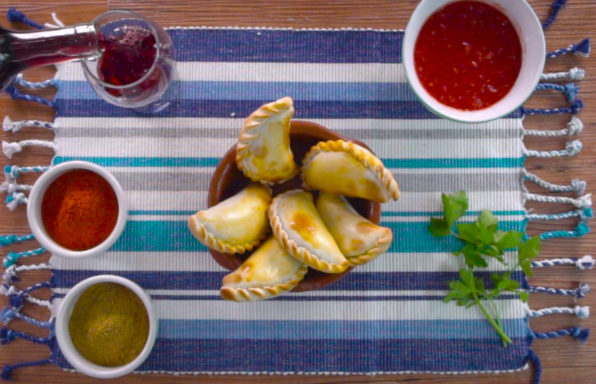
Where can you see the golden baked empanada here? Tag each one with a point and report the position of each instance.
(359, 239)
(268, 272)
(235, 225)
(348, 169)
(300, 230)
(263, 152)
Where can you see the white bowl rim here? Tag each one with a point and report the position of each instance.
(470, 114)
(63, 336)
(36, 197)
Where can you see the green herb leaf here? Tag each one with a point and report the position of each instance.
(482, 239)
(439, 227)
(455, 206)
(508, 240)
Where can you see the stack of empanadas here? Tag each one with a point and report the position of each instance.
(326, 234)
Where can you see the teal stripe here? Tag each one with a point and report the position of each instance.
(213, 161)
(337, 329)
(144, 161)
(165, 236)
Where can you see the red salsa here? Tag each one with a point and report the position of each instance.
(468, 55)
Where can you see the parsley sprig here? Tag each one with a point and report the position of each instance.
(482, 241)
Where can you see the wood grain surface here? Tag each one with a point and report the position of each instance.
(564, 360)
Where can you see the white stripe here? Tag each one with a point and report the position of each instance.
(408, 202)
(216, 147)
(334, 124)
(166, 200)
(325, 310)
(203, 262)
(269, 72)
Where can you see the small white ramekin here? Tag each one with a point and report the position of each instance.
(34, 209)
(65, 342)
(533, 45)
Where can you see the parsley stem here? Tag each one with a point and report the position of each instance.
(504, 337)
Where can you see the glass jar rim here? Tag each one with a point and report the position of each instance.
(152, 29)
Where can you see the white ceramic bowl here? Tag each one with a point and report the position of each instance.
(531, 35)
(63, 336)
(34, 209)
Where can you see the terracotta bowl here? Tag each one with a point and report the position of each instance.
(227, 180)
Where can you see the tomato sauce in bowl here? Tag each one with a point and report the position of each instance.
(468, 55)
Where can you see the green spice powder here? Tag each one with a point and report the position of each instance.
(109, 325)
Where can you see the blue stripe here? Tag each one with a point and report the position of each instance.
(316, 298)
(245, 90)
(336, 329)
(262, 45)
(305, 109)
(353, 281)
(161, 236)
(213, 161)
(324, 355)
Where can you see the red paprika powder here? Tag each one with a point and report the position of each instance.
(79, 210)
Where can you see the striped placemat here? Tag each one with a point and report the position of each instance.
(383, 317)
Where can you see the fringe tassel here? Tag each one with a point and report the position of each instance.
(579, 311)
(7, 370)
(20, 80)
(583, 214)
(14, 200)
(585, 262)
(571, 149)
(8, 314)
(554, 11)
(573, 74)
(574, 128)
(581, 202)
(8, 335)
(14, 126)
(581, 48)
(580, 230)
(10, 148)
(57, 21)
(15, 16)
(17, 95)
(577, 293)
(12, 188)
(573, 109)
(10, 239)
(577, 186)
(580, 334)
(13, 257)
(10, 274)
(533, 357)
(12, 172)
(570, 89)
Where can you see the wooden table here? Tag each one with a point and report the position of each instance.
(564, 360)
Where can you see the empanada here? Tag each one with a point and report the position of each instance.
(359, 239)
(263, 152)
(348, 169)
(300, 230)
(268, 272)
(235, 225)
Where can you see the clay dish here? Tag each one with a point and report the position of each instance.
(227, 180)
